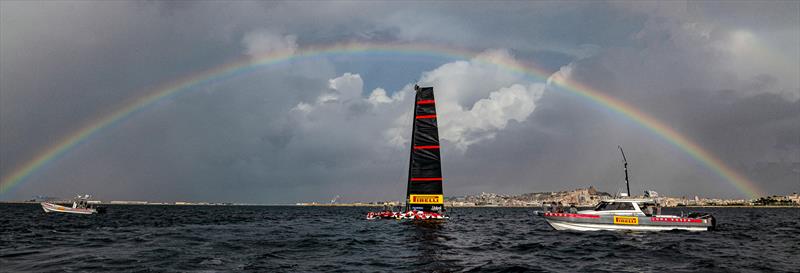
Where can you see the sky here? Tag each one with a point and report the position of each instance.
(721, 74)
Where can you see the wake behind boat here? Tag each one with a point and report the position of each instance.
(80, 205)
(424, 195)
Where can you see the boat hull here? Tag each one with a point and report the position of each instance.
(409, 215)
(588, 222)
(49, 207)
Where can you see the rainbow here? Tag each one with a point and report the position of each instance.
(244, 65)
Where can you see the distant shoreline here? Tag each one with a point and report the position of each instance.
(738, 206)
(152, 204)
(363, 205)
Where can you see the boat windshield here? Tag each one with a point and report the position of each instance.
(646, 204)
(614, 206)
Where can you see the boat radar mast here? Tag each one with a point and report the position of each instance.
(625, 166)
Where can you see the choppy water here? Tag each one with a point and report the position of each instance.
(277, 239)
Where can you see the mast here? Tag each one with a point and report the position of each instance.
(424, 191)
(411, 149)
(625, 164)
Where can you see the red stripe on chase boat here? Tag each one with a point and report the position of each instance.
(572, 215)
(675, 220)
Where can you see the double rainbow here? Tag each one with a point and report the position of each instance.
(19, 174)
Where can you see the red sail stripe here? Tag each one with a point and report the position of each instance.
(426, 102)
(427, 147)
(426, 179)
(426, 116)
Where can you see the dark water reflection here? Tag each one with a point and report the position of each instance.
(303, 239)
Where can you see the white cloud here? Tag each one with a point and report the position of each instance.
(474, 99)
(378, 96)
(489, 115)
(262, 42)
(348, 86)
(345, 88)
(561, 75)
(302, 107)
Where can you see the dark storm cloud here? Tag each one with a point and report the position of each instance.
(680, 77)
(64, 63)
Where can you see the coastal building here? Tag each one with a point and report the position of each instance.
(584, 197)
(795, 198)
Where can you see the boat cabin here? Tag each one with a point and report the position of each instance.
(81, 202)
(632, 207)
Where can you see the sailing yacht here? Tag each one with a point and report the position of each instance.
(424, 195)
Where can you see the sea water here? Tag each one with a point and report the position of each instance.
(339, 239)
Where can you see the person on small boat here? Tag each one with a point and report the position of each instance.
(572, 208)
(387, 210)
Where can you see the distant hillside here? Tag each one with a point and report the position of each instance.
(581, 197)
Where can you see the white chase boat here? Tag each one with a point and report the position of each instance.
(628, 214)
(80, 205)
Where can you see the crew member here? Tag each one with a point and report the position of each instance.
(572, 208)
(648, 210)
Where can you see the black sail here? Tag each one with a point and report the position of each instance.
(425, 168)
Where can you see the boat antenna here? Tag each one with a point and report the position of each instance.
(625, 165)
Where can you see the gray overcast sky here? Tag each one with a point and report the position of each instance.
(723, 74)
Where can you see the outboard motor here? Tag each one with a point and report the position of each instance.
(705, 215)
